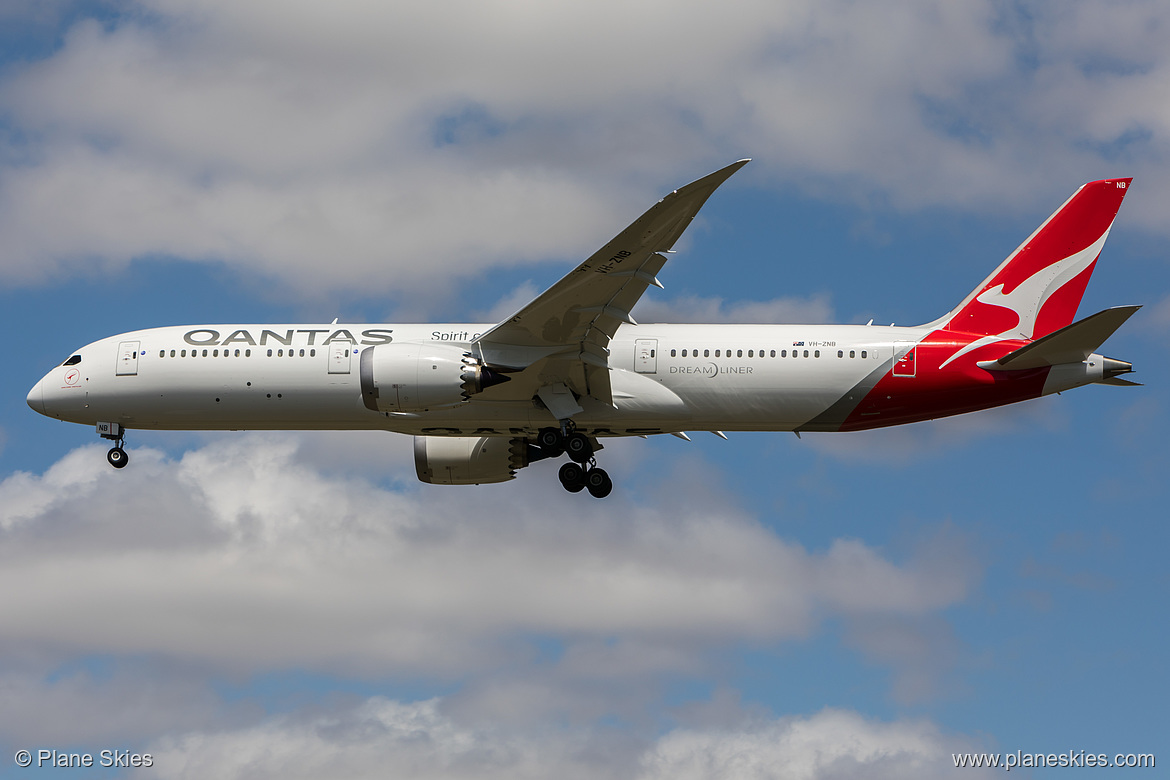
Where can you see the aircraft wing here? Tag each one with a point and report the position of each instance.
(567, 328)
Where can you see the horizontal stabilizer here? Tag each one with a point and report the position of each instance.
(1116, 380)
(1071, 344)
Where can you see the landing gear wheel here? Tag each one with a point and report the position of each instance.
(572, 477)
(117, 457)
(599, 483)
(551, 441)
(579, 447)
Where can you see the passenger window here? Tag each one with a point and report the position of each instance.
(237, 353)
(302, 353)
(172, 353)
(716, 353)
(247, 353)
(783, 353)
(840, 353)
(706, 353)
(162, 353)
(269, 353)
(806, 353)
(215, 353)
(852, 353)
(204, 353)
(773, 353)
(863, 353)
(750, 354)
(684, 353)
(739, 353)
(672, 353)
(280, 353)
(817, 353)
(313, 353)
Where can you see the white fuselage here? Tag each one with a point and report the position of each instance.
(664, 377)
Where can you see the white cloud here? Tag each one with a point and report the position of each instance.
(400, 151)
(134, 701)
(379, 738)
(383, 738)
(509, 304)
(245, 554)
(834, 744)
(696, 308)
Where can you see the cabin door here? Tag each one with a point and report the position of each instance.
(646, 356)
(127, 358)
(339, 352)
(904, 358)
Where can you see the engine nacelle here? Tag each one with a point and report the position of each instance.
(468, 460)
(418, 377)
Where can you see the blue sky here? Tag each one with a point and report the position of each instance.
(297, 605)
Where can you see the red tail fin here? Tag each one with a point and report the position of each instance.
(1038, 288)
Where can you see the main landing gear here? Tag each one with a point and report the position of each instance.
(116, 433)
(581, 472)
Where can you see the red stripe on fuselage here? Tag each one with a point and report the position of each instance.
(936, 390)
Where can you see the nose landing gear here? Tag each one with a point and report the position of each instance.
(581, 472)
(117, 456)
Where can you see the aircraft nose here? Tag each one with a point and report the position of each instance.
(36, 397)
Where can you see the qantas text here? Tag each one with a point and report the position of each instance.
(204, 337)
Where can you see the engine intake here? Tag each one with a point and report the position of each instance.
(418, 377)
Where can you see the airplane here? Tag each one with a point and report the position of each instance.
(572, 367)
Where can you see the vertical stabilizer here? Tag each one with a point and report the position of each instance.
(1037, 289)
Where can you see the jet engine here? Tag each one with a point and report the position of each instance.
(418, 377)
(468, 460)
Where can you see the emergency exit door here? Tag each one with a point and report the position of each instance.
(127, 358)
(646, 356)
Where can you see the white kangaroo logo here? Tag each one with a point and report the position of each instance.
(1031, 294)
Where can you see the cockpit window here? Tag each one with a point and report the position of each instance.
(72, 361)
